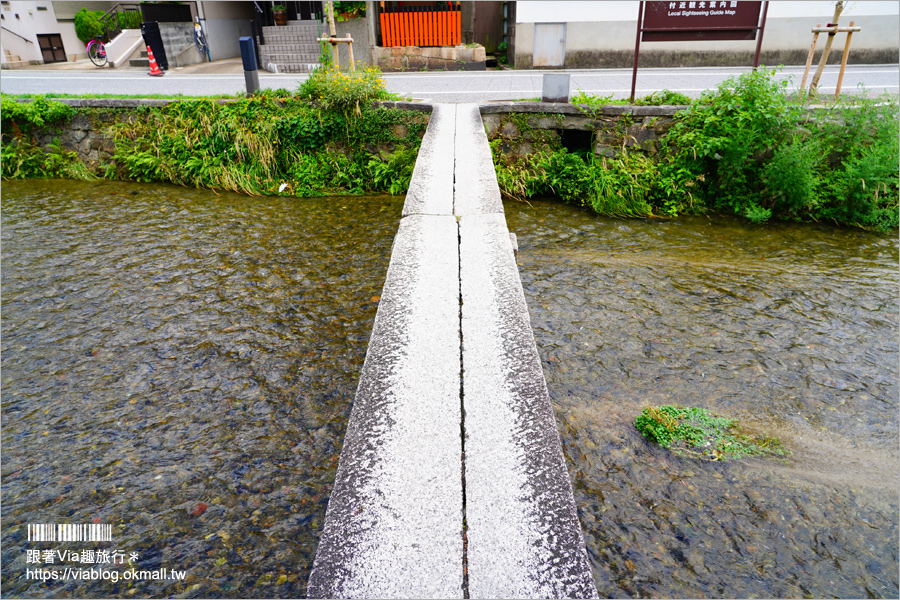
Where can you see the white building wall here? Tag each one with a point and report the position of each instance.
(566, 11)
(611, 27)
(26, 20)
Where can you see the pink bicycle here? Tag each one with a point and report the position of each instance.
(97, 52)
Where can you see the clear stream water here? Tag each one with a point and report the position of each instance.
(793, 329)
(181, 364)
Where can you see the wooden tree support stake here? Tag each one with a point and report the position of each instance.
(831, 31)
(812, 51)
(843, 60)
(334, 41)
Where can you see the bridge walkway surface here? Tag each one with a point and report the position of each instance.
(452, 481)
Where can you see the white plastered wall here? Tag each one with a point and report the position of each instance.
(611, 26)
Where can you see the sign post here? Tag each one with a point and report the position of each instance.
(699, 21)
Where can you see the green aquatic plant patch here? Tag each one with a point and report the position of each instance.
(691, 431)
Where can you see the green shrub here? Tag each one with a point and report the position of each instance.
(392, 172)
(37, 113)
(608, 186)
(23, 159)
(304, 131)
(789, 179)
(130, 19)
(355, 9)
(590, 104)
(663, 98)
(729, 134)
(88, 26)
(746, 148)
(862, 187)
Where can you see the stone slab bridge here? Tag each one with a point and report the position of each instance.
(452, 481)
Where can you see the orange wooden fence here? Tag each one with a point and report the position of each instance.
(417, 26)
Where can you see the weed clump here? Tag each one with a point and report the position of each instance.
(344, 91)
(690, 431)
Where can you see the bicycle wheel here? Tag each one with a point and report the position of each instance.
(97, 53)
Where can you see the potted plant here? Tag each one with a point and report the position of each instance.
(280, 11)
(349, 10)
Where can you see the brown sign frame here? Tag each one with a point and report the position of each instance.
(682, 21)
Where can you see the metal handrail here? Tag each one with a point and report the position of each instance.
(14, 33)
(113, 20)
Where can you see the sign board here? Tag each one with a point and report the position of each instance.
(692, 21)
(689, 21)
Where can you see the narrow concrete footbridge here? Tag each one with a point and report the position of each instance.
(452, 481)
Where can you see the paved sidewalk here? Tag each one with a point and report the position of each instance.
(227, 66)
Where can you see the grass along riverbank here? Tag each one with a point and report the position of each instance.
(326, 138)
(746, 148)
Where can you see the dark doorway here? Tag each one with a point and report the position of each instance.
(51, 45)
(489, 25)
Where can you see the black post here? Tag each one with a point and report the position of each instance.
(248, 56)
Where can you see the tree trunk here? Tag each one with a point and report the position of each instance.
(814, 84)
(333, 31)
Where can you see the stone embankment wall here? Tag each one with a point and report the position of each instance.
(87, 133)
(521, 127)
(525, 127)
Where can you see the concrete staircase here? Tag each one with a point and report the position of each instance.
(291, 48)
(12, 61)
(142, 60)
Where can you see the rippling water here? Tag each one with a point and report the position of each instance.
(793, 329)
(181, 364)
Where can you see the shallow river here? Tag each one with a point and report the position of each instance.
(790, 328)
(166, 349)
(180, 364)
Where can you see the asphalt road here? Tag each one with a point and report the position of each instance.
(226, 77)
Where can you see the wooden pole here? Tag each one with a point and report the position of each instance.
(332, 30)
(350, 51)
(837, 92)
(814, 84)
(812, 51)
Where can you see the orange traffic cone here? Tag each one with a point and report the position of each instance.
(154, 68)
